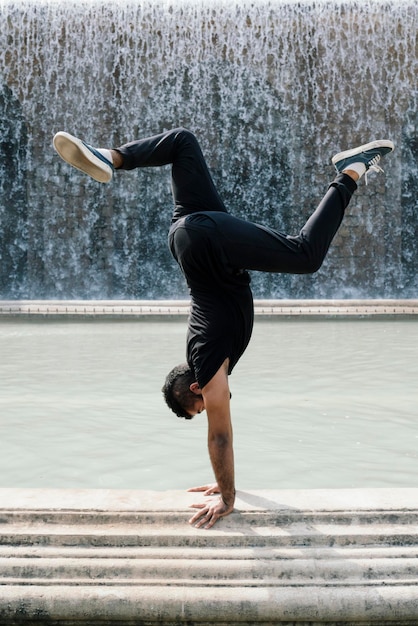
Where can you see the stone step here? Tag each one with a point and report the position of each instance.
(135, 605)
(286, 558)
(185, 571)
(237, 530)
(213, 553)
(239, 519)
(157, 534)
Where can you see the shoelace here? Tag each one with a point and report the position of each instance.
(373, 165)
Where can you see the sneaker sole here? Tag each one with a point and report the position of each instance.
(75, 152)
(373, 145)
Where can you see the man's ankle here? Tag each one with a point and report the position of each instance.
(117, 159)
(352, 174)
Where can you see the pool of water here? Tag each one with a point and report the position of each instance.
(316, 404)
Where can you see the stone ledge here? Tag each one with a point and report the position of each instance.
(283, 557)
(179, 308)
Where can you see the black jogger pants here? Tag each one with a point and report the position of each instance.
(250, 246)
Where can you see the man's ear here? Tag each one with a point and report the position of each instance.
(194, 388)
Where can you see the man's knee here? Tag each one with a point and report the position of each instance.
(186, 135)
(313, 265)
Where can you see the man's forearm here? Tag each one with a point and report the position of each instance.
(216, 397)
(222, 458)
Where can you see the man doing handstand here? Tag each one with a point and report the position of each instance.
(215, 250)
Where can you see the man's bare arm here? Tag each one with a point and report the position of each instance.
(217, 404)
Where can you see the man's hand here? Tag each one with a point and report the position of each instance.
(208, 489)
(209, 512)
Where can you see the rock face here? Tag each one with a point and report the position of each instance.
(283, 557)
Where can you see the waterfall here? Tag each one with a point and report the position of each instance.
(272, 89)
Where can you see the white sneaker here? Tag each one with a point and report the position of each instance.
(370, 154)
(83, 157)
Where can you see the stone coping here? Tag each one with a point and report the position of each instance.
(290, 557)
(253, 500)
(178, 308)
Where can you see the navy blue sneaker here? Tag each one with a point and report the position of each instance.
(369, 154)
(83, 157)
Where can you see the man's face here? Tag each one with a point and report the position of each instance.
(198, 406)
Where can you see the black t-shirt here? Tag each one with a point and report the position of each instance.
(222, 313)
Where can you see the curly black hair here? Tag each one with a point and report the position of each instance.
(176, 390)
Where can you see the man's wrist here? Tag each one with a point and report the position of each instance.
(229, 500)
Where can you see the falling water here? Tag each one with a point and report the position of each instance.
(271, 88)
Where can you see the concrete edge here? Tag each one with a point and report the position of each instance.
(301, 500)
(179, 308)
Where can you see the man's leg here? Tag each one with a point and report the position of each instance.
(192, 184)
(193, 187)
(256, 247)
(317, 234)
(251, 246)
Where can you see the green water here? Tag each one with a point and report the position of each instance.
(316, 404)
